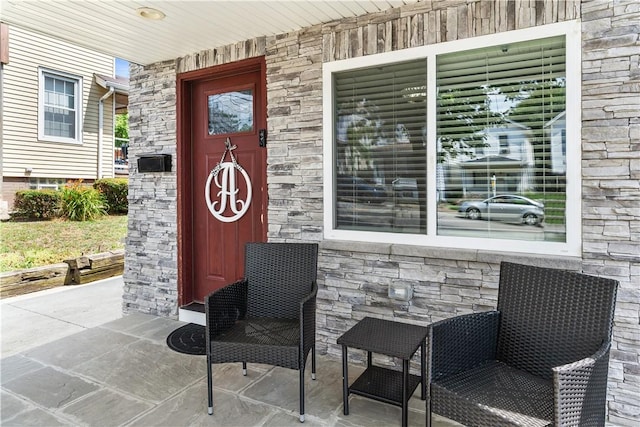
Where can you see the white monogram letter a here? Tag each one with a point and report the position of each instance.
(226, 182)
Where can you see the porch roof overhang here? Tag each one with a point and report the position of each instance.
(120, 86)
(117, 29)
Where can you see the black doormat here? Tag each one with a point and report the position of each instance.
(188, 339)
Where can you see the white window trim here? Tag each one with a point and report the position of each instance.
(42, 72)
(573, 244)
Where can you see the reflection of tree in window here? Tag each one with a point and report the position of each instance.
(380, 148)
(463, 116)
(483, 89)
(230, 112)
(361, 131)
(501, 110)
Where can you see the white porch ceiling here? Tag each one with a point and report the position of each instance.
(113, 26)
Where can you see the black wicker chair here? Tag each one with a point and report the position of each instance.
(269, 316)
(541, 359)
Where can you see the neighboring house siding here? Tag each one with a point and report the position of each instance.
(21, 148)
(354, 276)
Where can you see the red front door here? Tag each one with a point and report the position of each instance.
(226, 109)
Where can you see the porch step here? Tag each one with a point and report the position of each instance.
(192, 313)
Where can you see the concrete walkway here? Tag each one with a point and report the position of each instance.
(69, 357)
(37, 318)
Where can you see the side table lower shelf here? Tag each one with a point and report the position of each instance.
(383, 384)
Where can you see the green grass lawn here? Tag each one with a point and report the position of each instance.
(35, 243)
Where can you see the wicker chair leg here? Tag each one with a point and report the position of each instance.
(244, 368)
(209, 385)
(302, 394)
(313, 362)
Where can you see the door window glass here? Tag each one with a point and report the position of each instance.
(230, 112)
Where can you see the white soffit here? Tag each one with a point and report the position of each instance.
(113, 26)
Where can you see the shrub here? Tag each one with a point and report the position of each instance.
(37, 204)
(115, 191)
(81, 202)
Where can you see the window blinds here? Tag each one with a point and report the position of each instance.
(494, 110)
(500, 123)
(380, 116)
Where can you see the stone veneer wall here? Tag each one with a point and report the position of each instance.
(611, 182)
(354, 276)
(151, 250)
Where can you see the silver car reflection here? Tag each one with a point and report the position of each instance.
(505, 207)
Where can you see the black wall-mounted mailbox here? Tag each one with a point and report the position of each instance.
(155, 163)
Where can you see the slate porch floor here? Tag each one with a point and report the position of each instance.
(70, 358)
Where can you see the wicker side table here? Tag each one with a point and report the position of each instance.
(393, 339)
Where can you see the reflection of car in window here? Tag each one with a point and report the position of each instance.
(504, 208)
(351, 188)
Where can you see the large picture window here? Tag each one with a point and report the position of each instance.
(460, 146)
(60, 105)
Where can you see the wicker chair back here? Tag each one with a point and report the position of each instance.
(279, 275)
(551, 317)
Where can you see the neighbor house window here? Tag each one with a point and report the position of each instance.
(451, 145)
(60, 107)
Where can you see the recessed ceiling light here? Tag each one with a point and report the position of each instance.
(150, 13)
